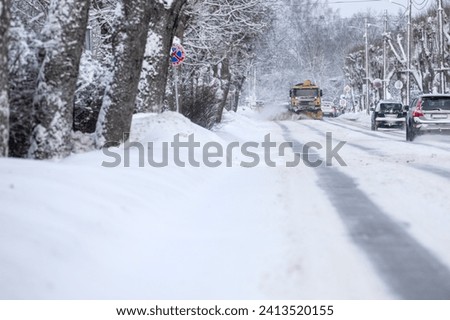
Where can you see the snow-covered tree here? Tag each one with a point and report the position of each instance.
(4, 84)
(308, 40)
(425, 58)
(96, 64)
(27, 19)
(129, 43)
(103, 21)
(162, 28)
(31, 13)
(219, 39)
(62, 43)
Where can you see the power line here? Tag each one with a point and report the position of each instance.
(419, 4)
(422, 5)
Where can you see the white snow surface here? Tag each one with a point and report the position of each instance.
(74, 229)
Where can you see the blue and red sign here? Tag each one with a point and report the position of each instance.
(177, 55)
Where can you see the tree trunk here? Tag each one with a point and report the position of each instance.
(239, 84)
(23, 74)
(163, 26)
(115, 117)
(225, 79)
(63, 40)
(4, 102)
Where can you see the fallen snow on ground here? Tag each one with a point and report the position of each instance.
(361, 117)
(77, 230)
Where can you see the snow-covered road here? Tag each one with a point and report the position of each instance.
(377, 228)
(404, 264)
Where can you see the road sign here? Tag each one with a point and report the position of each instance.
(347, 89)
(377, 83)
(343, 103)
(177, 54)
(398, 84)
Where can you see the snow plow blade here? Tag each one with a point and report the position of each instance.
(316, 115)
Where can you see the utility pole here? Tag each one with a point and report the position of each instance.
(441, 47)
(385, 54)
(408, 55)
(254, 83)
(367, 65)
(88, 39)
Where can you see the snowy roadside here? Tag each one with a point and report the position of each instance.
(76, 230)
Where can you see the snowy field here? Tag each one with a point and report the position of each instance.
(377, 228)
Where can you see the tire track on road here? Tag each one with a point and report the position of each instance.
(349, 126)
(443, 173)
(409, 269)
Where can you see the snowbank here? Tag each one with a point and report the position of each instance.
(75, 229)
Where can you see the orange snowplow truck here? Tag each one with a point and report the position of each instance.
(306, 100)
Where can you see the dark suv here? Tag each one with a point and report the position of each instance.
(429, 113)
(388, 114)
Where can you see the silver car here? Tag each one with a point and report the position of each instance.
(429, 113)
(388, 114)
(329, 109)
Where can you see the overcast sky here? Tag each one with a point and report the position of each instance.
(349, 7)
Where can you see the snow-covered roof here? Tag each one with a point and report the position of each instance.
(389, 101)
(435, 95)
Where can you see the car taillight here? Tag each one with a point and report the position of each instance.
(418, 111)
